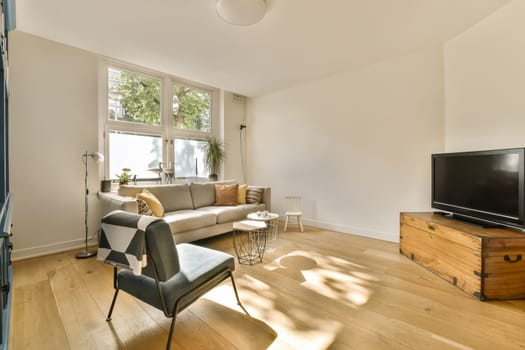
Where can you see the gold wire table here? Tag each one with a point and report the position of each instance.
(249, 241)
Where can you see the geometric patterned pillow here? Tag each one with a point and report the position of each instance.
(254, 195)
(144, 208)
(153, 202)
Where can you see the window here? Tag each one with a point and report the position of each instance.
(133, 97)
(152, 119)
(191, 109)
(189, 158)
(136, 152)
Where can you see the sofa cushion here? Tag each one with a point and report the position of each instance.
(174, 197)
(203, 195)
(241, 194)
(130, 190)
(153, 203)
(187, 220)
(226, 194)
(232, 213)
(254, 195)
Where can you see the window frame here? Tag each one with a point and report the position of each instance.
(166, 130)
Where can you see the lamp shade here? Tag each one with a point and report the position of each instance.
(241, 12)
(97, 157)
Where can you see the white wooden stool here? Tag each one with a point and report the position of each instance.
(293, 209)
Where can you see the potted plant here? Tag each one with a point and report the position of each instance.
(124, 178)
(213, 156)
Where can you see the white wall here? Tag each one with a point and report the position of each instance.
(53, 119)
(54, 116)
(485, 83)
(234, 114)
(356, 145)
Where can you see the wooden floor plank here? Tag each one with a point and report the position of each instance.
(86, 328)
(185, 335)
(42, 326)
(250, 333)
(315, 290)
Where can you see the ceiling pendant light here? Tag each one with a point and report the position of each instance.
(241, 12)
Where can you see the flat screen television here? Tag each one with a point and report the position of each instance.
(486, 187)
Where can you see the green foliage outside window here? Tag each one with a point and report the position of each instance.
(139, 98)
(191, 108)
(136, 98)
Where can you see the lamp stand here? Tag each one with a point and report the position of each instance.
(85, 253)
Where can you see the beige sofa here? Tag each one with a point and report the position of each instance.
(189, 208)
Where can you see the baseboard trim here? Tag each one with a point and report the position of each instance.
(353, 230)
(26, 253)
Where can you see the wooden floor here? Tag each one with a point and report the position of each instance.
(316, 290)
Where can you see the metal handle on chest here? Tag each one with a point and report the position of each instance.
(509, 260)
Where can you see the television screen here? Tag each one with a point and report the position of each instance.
(484, 184)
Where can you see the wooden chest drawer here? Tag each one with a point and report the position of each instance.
(486, 263)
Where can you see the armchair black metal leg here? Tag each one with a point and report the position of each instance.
(171, 331)
(112, 305)
(235, 289)
(237, 295)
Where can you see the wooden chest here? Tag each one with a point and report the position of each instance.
(487, 263)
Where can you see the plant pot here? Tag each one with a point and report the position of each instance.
(105, 186)
(213, 177)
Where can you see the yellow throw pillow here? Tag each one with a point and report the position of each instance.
(153, 203)
(241, 194)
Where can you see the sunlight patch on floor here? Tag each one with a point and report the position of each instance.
(273, 265)
(451, 342)
(330, 276)
(321, 337)
(294, 327)
(336, 285)
(225, 295)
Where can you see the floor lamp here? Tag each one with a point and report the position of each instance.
(99, 158)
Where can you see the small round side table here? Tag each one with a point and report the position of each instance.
(249, 241)
(271, 220)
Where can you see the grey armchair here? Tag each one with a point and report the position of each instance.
(175, 275)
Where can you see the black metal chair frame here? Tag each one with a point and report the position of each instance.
(188, 297)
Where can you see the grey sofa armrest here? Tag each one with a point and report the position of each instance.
(267, 196)
(113, 201)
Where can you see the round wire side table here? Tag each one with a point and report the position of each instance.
(249, 241)
(271, 220)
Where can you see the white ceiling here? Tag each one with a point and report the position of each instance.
(297, 41)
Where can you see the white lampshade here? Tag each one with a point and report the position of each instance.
(97, 157)
(241, 12)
